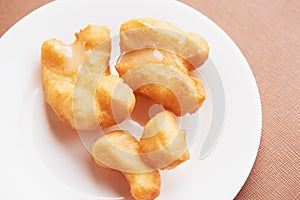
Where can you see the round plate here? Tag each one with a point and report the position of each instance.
(42, 158)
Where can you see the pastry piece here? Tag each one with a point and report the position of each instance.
(115, 101)
(143, 33)
(119, 150)
(163, 144)
(166, 85)
(138, 58)
(74, 77)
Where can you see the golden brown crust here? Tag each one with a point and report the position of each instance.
(112, 95)
(119, 150)
(161, 95)
(148, 41)
(153, 33)
(163, 144)
(144, 186)
(138, 58)
(166, 85)
(60, 74)
(92, 36)
(131, 24)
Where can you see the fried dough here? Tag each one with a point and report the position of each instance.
(163, 144)
(138, 58)
(168, 86)
(119, 150)
(74, 76)
(143, 33)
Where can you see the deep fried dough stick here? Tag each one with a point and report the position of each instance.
(82, 97)
(163, 144)
(119, 150)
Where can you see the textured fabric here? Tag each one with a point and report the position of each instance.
(12, 11)
(268, 33)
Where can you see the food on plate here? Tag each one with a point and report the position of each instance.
(141, 57)
(165, 85)
(163, 145)
(119, 150)
(77, 82)
(153, 33)
(156, 60)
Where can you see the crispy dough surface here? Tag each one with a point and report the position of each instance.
(147, 43)
(153, 33)
(142, 57)
(61, 68)
(163, 143)
(166, 85)
(120, 150)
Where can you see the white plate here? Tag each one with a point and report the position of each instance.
(42, 158)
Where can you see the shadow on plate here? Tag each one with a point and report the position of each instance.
(98, 176)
